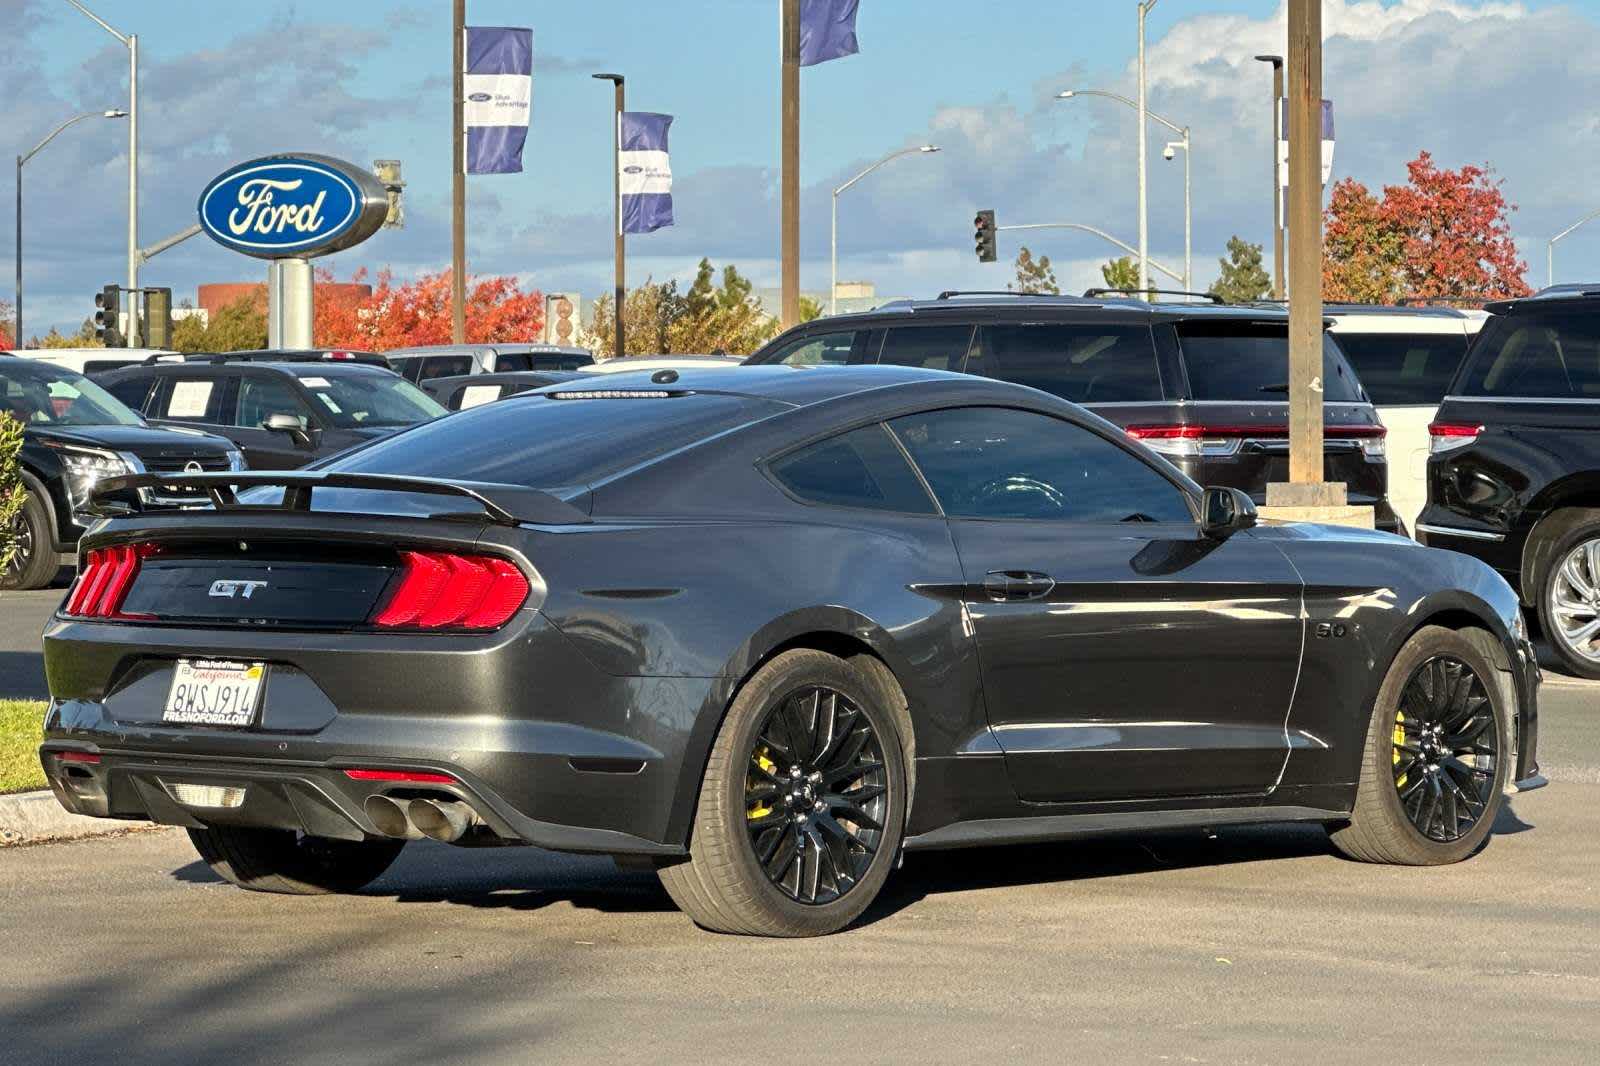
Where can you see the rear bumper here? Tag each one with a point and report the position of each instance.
(546, 748)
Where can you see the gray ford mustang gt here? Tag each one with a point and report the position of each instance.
(762, 629)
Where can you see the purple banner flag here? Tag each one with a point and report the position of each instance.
(498, 88)
(645, 171)
(827, 30)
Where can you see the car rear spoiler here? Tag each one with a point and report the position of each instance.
(503, 504)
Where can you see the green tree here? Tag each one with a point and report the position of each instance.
(1242, 279)
(240, 326)
(12, 493)
(1034, 275)
(810, 309)
(84, 338)
(1121, 274)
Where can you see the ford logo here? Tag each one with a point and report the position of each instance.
(292, 206)
(633, 168)
(480, 98)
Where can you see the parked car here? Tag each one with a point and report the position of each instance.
(449, 360)
(291, 355)
(763, 630)
(461, 391)
(281, 415)
(94, 361)
(662, 362)
(1514, 478)
(1406, 358)
(1204, 385)
(74, 435)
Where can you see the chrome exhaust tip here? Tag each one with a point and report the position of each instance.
(390, 818)
(442, 820)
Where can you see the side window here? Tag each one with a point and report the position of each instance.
(820, 349)
(186, 398)
(132, 391)
(444, 366)
(930, 347)
(262, 396)
(993, 462)
(468, 396)
(1081, 363)
(1537, 355)
(862, 468)
(408, 368)
(512, 361)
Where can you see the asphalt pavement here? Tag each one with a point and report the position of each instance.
(1258, 945)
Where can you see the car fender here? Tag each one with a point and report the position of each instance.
(59, 530)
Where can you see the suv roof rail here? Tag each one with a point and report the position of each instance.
(1100, 293)
(949, 293)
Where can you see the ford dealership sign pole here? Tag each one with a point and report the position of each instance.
(289, 209)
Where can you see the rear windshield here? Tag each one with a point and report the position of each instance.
(1245, 362)
(1405, 369)
(1081, 363)
(552, 444)
(1543, 354)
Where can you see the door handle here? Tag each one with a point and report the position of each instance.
(1012, 585)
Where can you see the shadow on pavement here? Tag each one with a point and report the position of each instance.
(22, 675)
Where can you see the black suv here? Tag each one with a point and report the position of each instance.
(1203, 384)
(74, 434)
(281, 415)
(1514, 470)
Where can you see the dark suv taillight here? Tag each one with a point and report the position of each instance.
(1448, 436)
(444, 590)
(108, 574)
(1201, 441)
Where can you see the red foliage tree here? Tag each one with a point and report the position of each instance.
(1443, 233)
(418, 312)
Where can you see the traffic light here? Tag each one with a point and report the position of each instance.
(108, 316)
(157, 318)
(983, 236)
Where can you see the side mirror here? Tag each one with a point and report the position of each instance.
(294, 425)
(1226, 511)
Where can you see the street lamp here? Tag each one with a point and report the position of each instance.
(1277, 192)
(619, 347)
(1550, 251)
(21, 159)
(833, 282)
(1172, 147)
(131, 42)
(1145, 7)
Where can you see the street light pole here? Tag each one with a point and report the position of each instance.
(458, 176)
(1102, 234)
(131, 42)
(1184, 145)
(833, 283)
(1277, 192)
(21, 159)
(1145, 7)
(1550, 251)
(619, 345)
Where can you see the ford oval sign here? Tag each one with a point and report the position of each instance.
(292, 206)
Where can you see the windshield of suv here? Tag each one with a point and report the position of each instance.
(39, 394)
(1249, 361)
(351, 401)
(1405, 369)
(1541, 354)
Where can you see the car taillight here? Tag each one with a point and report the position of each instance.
(444, 590)
(1447, 436)
(1198, 441)
(108, 574)
(338, 356)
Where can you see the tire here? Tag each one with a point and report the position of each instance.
(1383, 826)
(854, 772)
(1569, 599)
(281, 860)
(34, 564)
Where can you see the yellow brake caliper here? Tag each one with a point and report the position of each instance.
(761, 810)
(1399, 739)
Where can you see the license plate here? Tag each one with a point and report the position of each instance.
(214, 692)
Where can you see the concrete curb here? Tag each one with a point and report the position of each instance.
(35, 817)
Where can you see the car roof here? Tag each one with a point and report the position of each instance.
(507, 347)
(1574, 297)
(296, 368)
(797, 386)
(1383, 318)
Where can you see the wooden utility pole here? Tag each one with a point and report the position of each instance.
(1305, 241)
(790, 178)
(458, 185)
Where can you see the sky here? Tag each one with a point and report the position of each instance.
(1508, 84)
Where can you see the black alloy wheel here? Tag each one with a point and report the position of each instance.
(1445, 749)
(816, 795)
(23, 547)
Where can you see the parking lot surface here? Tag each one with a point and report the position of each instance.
(1259, 945)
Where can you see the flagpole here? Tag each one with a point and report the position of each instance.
(790, 49)
(619, 347)
(458, 187)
